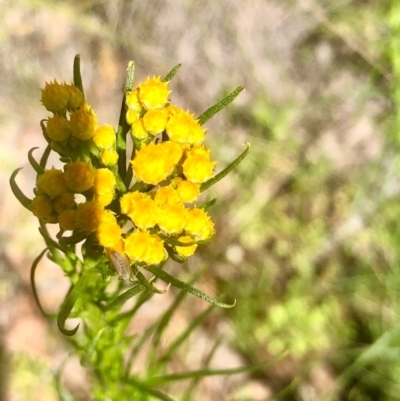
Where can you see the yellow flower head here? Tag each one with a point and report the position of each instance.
(186, 251)
(197, 166)
(63, 202)
(67, 219)
(172, 218)
(131, 116)
(199, 224)
(55, 97)
(154, 121)
(132, 101)
(188, 191)
(109, 233)
(167, 196)
(79, 176)
(109, 157)
(41, 206)
(105, 136)
(89, 216)
(58, 128)
(143, 211)
(183, 128)
(153, 93)
(129, 200)
(104, 181)
(51, 182)
(154, 163)
(75, 97)
(83, 122)
(104, 199)
(138, 130)
(141, 246)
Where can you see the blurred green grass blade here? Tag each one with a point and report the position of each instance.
(186, 287)
(33, 284)
(91, 348)
(36, 166)
(142, 279)
(210, 372)
(181, 339)
(65, 310)
(147, 389)
(24, 200)
(172, 73)
(77, 74)
(63, 393)
(204, 117)
(225, 171)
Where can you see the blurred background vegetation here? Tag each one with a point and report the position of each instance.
(308, 234)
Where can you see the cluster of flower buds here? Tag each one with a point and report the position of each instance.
(138, 211)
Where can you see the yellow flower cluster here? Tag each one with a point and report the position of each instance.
(169, 164)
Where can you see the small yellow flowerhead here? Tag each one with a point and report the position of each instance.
(55, 97)
(172, 218)
(154, 163)
(154, 121)
(132, 101)
(104, 136)
(63, 202)
(67, 219)
(141, 209)
(104, 181)
(109, 157)
(183, 128)
(41, 206)
(109, 233)
(197, 166)
(153, 93)
(188, 191)
(75, 97)
(199, 224)
(79, 176)
(58, 128)
(89, 216)
(141, 246)
(138, 131)
(51, 182)
(186, 251)
(83, 122)
(167, 195)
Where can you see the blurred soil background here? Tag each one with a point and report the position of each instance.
(308, 234)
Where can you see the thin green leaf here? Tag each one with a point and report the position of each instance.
(219, 106)
(209, 372)
(77, 74)
(91, 348)
(208, 204)
(36, 166)
(172, 73)
(130, 76)
(75, 238)
(225, 171)
(121, 299)
(65, 310)
(33, 284)
(24, 200)
(45, 157)
(62, 392)
(146, 389)
(175, 242)
(150, 286)
(181, 339)
(186, 287)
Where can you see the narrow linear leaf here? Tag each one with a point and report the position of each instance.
(77, 74)
(24, 200)
(130, 76)
(33, 283)
(62, 392)
(91, 348)
(36, 166)
(225, 171)
(147, 389)
(204, 117)
(121, 299)
(175, 242)
(65, 310)
(186, 287)
(45, 157)
(181, 339)
(210, 372)
(150, 286)
(172, 73)
(208, 204)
